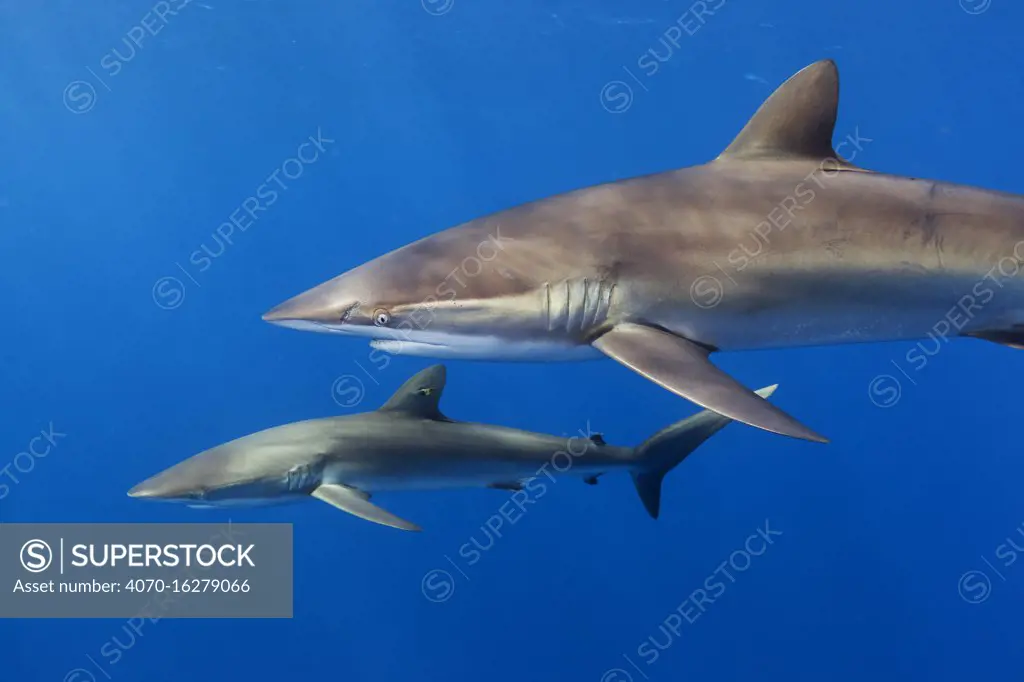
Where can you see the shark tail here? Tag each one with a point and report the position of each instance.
(663, 451)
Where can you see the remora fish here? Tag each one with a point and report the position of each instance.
(657, 273)
(409, 444)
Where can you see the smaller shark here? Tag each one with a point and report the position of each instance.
(409, 444)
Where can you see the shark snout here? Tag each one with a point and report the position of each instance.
(297, 308)
(277, 313)
(140, 491)
(163, 486)
(146, 490)
(312, 310)
(289, 310)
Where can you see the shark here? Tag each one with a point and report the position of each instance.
(409, 444)
(777, 242)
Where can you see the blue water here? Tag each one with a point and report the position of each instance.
(110, 182)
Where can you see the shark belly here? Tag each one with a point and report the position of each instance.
(873, 311)
(470, 347)
(449, 475)
(248, 502)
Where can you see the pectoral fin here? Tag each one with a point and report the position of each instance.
(684, 368)
(357, 502)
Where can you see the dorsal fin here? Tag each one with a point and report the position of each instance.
(796, 121)
(420, 395)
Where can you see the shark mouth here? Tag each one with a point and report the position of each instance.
(417, 348)
(306, 326)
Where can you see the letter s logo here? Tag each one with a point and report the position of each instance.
(36, 556)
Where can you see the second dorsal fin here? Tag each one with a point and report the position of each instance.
(796, 121)
(420, 396)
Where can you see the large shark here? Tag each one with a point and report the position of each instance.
(777, 242)
(409, 444)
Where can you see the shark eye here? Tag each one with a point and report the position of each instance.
(381, 317)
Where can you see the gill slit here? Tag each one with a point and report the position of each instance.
(580, 311)
(547, 305)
